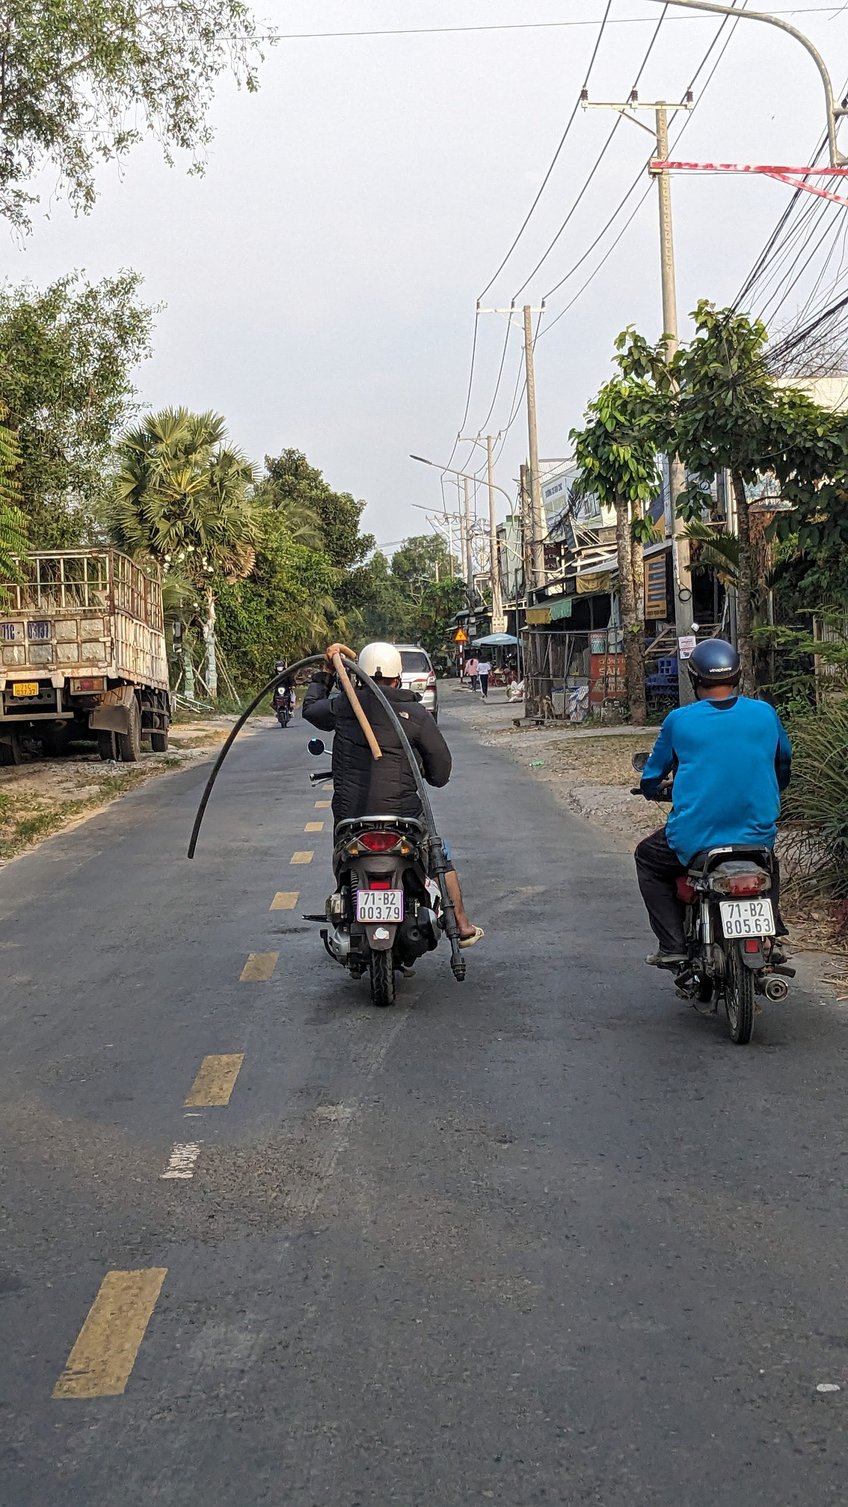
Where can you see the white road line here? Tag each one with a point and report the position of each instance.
(181, 1162)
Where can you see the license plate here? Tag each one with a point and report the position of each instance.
(747, 918)
(25, 688)
(379, 906)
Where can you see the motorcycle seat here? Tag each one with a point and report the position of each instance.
(710, 858)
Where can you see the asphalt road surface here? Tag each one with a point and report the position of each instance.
(544, 1237)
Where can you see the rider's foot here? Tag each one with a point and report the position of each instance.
(665, 959)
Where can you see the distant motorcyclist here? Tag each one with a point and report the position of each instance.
(284, 698)
(364, 786)
(730, 757)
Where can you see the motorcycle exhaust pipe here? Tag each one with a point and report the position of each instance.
(776, 988)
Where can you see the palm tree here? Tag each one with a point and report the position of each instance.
(182, 498)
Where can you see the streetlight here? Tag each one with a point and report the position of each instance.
(497, 600)
(834, 111)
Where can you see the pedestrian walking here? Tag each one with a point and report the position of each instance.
(472, 670)
(484, 669)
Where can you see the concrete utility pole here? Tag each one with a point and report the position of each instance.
(467, 561)
(681, 577)
(537, 515)
(680, 553)
(498, 618)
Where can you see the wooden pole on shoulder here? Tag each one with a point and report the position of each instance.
(358, 713)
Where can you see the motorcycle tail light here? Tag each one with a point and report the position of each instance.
(379, 842)
(739, 880)
(752, 944)
(380, 884)
(747, 884)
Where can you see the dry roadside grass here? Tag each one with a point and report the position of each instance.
(44, 796)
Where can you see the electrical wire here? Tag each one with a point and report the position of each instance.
(553, 162)
(598, 160)
(424, 31)
(633, 186)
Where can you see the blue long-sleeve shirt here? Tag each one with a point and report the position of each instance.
(731, 759)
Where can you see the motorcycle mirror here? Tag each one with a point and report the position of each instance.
(316, 747)
(639, 760)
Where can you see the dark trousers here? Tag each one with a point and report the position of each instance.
(484, 685)
(658, 869)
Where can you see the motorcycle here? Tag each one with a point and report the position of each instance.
(729, 927)
(284, 708)
(385, 911)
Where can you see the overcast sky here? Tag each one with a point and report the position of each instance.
(320, 280)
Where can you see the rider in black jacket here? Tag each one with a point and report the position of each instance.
(363, 785)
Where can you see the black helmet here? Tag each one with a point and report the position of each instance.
(714, 662)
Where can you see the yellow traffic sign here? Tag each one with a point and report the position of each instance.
(460, 637)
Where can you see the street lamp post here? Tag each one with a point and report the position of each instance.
(497, 599)
(834, 111)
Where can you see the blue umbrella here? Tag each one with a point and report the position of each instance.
(505, 640)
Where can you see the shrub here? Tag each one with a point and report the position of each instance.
(816, 804)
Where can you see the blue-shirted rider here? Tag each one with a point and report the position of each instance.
(730, 757)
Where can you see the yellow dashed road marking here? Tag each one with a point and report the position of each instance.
(314, 827)
(259, 967)
(285, 900)
(328, 786)
(322, 805)
(301, 857)
(103, 1356)
(215, 1080)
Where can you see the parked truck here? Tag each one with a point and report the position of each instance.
(82, 653)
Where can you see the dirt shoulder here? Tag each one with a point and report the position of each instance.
(44, 796)
(588, 771)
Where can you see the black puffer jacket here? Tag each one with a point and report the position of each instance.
(363, 785)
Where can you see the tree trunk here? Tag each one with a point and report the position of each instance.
(744, 587)
(209, 640)
(631, 621)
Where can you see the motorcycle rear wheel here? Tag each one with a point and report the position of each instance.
(382, 976)
(739, 998)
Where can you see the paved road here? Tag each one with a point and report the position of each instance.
(546, 1237)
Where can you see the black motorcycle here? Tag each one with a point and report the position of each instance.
(284, 706)
(385, 911)
(731, 944)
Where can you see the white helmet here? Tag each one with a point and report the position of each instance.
(381, 661)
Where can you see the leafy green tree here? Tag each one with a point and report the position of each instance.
(182, 499)
(375, 600)
(617, 456)
(13, 537)
(292, 484)
(82, 81)
(420, 561)
(284, 608)
(66, 358)
(726, 411)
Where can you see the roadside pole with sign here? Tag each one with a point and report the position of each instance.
(460, 638)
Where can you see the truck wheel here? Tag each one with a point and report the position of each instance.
(106, 746)
(159, 741)
(10, 753)
(56, 742)
(129, 743)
